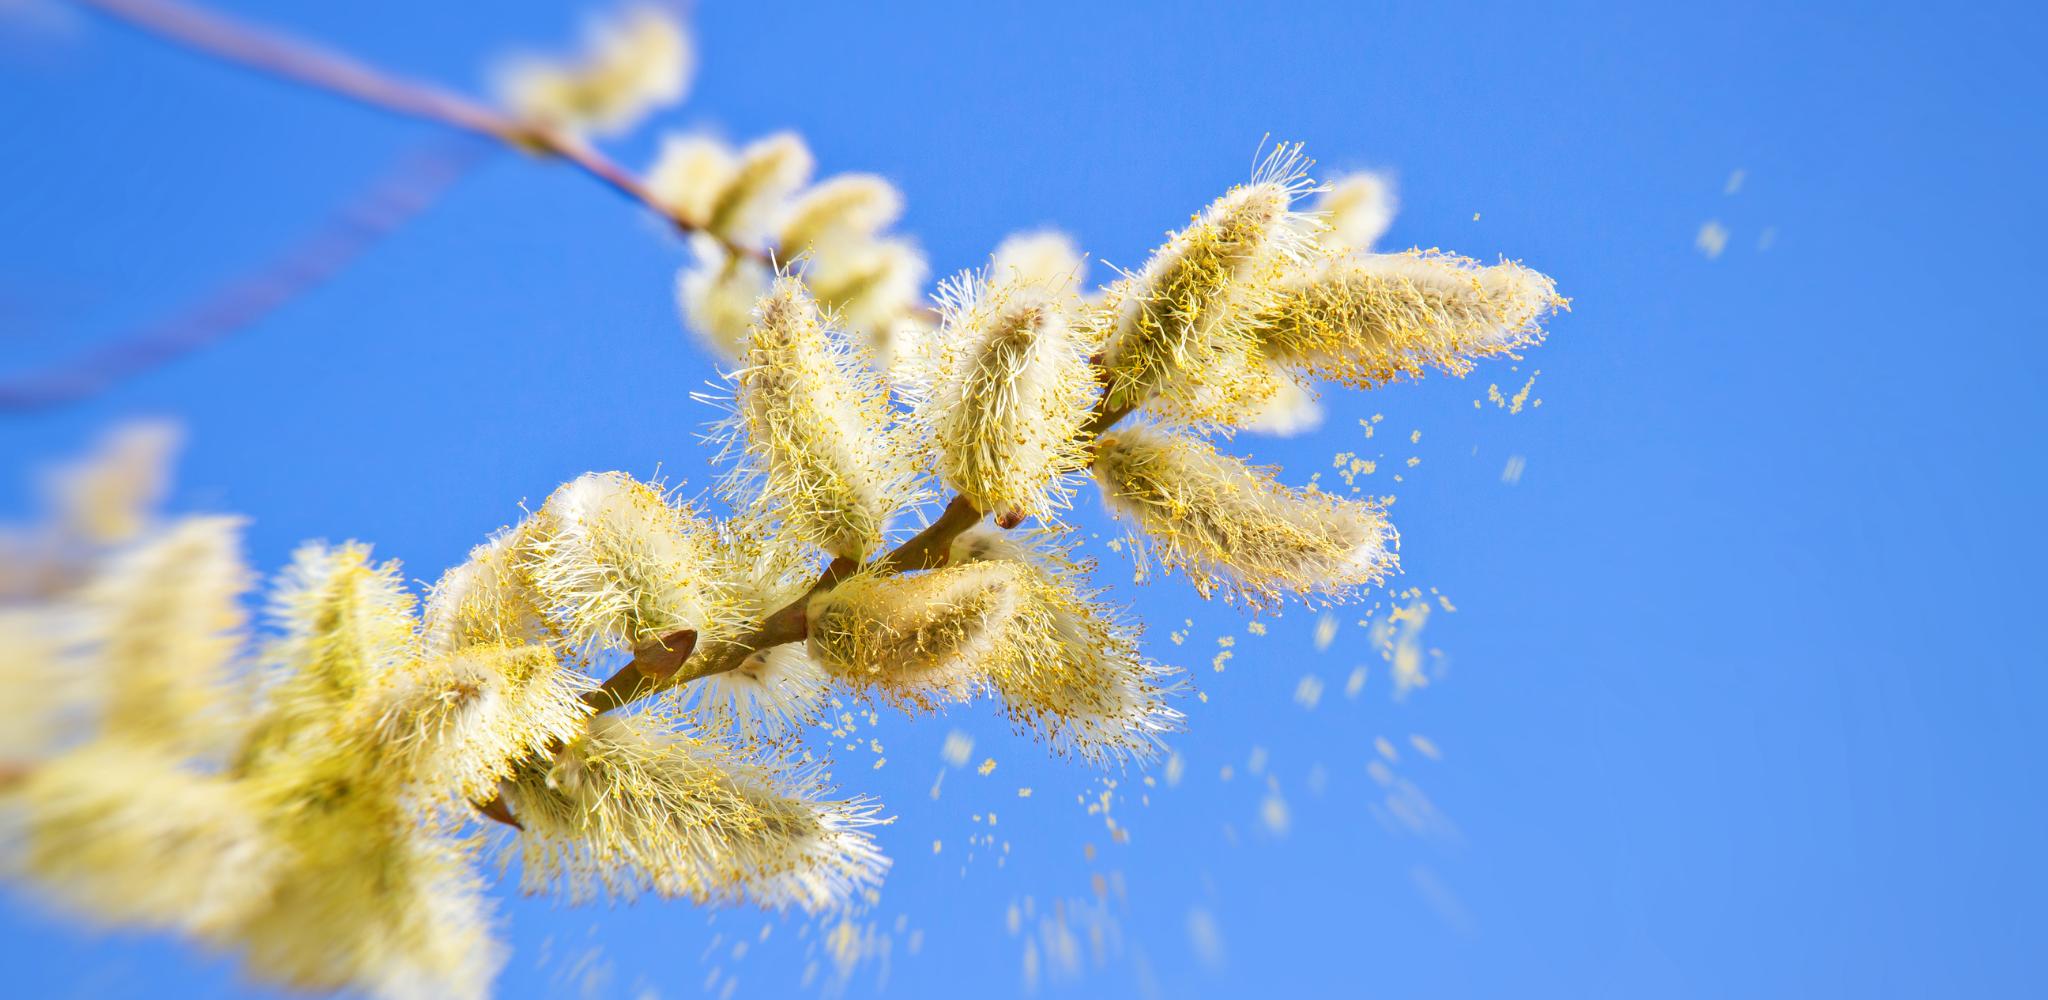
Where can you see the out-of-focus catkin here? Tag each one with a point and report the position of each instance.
(840, 210)
(635, 62)
(163, 620)
(1356, 210)
(1041, 257)
(814, 423)
(1231, 528)
(1011, 391)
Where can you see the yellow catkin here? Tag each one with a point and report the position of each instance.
(1011, 391)
(370, 893)
(620, 565)
(815, 427)
(716, 294)
(450, 727)
(920, 640)
(1071, 670)
(1040, 257)
(689, 174)
(162, 621)
(633, 63)
(768, 171)
(110, 496)
(1371, 319)
(869, 286)
(1231, 528)
(777, 689)
(346, 622)
(121, 833)
(634, 806)
(845, 209)
(489, 600)
(1176, 328)
(1356, 210)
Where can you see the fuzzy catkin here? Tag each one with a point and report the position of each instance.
(633, 806)
(1073, 672)
(774, 690)
(632, 64)
(917, 640)
(1371, 319)
(451, 727)
(1356, 210)
(840, 210)
(163, 620)
(487, 600)
(620, 565)
(1012, 390)
(816, 430)
(1177, 327)
(1231, 528)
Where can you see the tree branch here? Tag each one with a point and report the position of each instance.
(927, 549)
(281, 56)
(409, 188)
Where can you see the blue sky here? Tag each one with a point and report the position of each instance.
(1739, 697)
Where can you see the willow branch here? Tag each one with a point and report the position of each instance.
(927, 549)
(283, 57)
(409, 188)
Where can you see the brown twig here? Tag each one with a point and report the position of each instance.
(281, 56)
(927, 549)
(409, 188)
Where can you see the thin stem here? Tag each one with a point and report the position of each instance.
(281, 56)
(410, 187)
(927, 549)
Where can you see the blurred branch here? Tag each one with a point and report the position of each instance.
(283, 57)
(412, 185)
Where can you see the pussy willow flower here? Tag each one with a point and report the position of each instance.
(633, 806)
(1042, 257)
(717, 294)
(369, 893)
(1177, 326)
(868, 287)
(111, 495)
(488, 600)
(735, 197)
(161, 621)
(123, 833)
(1356, 209)
(1232, 528)
(919, 641)
(45, 690)
(1368, 320)
(1074, 673)
(1009, 392)
(775, 690)
(1291, 409)
(839, 211)
(815, 427)
(450, 727)
(345, 621)
(620, 565)
(633, 63)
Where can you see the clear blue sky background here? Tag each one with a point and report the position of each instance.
(1745, 681)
